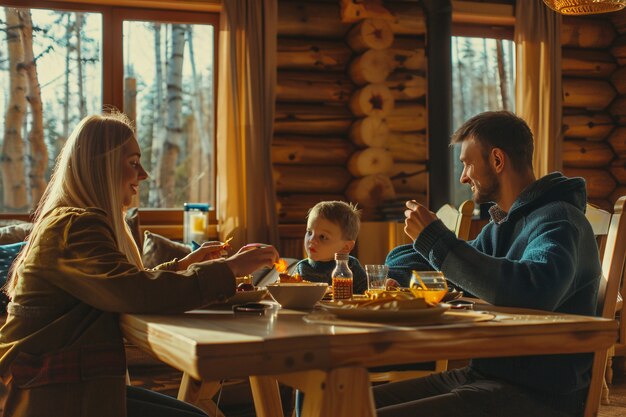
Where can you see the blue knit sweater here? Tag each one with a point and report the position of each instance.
(542, 254)
(321, 271)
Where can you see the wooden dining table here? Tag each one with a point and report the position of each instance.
(327, 357)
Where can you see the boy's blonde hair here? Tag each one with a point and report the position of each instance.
(345, 215)
(88, 174)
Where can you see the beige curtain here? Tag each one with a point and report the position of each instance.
(538, 93)
(246, 200)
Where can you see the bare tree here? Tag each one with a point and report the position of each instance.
(502, 74)
(158, 133)
(38, 149)
(69, 29)
(12, 160)
(171, 145)
(82, 105)
(204, 164)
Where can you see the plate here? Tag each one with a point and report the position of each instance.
(382, 315)
(243, 297)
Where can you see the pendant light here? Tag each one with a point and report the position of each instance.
(582, 7)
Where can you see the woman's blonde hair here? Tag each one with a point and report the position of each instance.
(87, 174)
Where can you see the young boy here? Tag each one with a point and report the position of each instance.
(332, 227)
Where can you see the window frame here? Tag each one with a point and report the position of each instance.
(114, 12)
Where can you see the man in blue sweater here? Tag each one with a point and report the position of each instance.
(538, 251)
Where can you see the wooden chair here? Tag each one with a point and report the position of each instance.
(619, 349)
(460, 222)
(611, 232)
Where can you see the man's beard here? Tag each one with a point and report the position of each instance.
(488, 192)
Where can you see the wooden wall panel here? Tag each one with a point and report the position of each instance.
(594, 104)
(350, 106)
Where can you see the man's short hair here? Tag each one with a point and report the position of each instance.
(345, 215)
(500, 129)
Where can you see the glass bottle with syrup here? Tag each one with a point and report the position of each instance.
(342, 278)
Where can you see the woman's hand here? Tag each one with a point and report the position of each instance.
(208, 251)
(252, 257)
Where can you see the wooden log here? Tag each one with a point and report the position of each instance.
(586, 154)
(619, 50)
(586, 33)
(618, 169)
(591, 126)
(372, 100)
(617, 140)
(370, 131)
(600, 183)
(373, 66)
(312, 54)
(370, 34)
(370, 161)
(408, 147)
(619, 21)
(408, 54)
(353, 11)
(617, 193)
(406, 85)
(618, 110)
(313, 87)
(294, 207)
(310, 19)
(618, 78)
(316, 120)
(370, 191)
(311, 179)
(587, 63)
(587, 93)
(407, 117)
(408, 18)
(302, 150)
(409, 177)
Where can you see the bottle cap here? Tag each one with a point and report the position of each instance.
(341, 256)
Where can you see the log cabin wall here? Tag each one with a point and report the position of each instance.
(594, 104)
(351, 119)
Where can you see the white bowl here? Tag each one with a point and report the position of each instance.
(298, 295)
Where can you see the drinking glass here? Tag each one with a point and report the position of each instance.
(429, 285)
(376, 276)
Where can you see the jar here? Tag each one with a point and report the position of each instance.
(342, 278)
(196, 223)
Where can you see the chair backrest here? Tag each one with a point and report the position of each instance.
(460, 220)
(612, 246)
(610, 231)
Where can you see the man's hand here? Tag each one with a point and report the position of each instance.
(417, 218)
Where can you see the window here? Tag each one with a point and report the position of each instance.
(158, 66)
(483, 79)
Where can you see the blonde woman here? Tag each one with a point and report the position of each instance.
(61, 350)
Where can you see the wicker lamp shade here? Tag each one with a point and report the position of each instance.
(580, 7)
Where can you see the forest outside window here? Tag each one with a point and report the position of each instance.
(483, 79)
(58, 65)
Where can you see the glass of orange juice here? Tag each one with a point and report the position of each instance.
(429, 285)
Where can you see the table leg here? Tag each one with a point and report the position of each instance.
(266, 396)
(348, 393)
(343, 392)
(200, 394)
